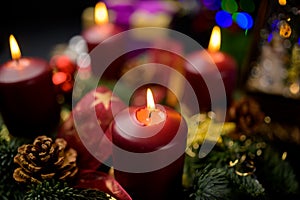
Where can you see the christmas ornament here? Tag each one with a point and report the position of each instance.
(91, 179)
(98, 102)
(247, 115)
(45, 159)
(64, 69)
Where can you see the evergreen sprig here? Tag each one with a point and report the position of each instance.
(277, 174)
(224, 183)
(271, 175)
(9, 189)
(245, 187)
(54, 190)
(210, 184)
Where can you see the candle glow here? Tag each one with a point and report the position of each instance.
(150, 100)
(215, 40)
(14, 48)
(150, 115)
(282, 2)
(101, 14)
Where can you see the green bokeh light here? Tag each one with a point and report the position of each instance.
(229, 5)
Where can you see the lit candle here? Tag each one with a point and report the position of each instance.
(97, 34)
(102, 29)
(28, 101)
(203, 61)
(150, 129)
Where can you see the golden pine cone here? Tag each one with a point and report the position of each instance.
(45, 159)
(247, 115)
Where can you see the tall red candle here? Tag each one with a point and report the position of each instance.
(99, 32)
(27, 97)
(203, 61)
(145, 130)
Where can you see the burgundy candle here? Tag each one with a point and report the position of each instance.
(141, 130)
(203, 61)
(102, 28)
(98, 33)
(27, 97)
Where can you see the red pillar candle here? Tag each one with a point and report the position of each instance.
(102, 29)
(203, 61)
(27, 97)
(99, 32)
(155, 129)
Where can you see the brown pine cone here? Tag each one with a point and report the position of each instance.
(246, 114)
(45, 159)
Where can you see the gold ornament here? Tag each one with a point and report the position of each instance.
(104, 98)
(247, 115)
(285, 29)
(202, 127)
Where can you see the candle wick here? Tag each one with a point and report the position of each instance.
(150, 113)
(17, 61)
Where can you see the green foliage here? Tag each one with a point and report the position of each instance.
(224, 183)
(277, 174)
(245, 187)
(7, 152)
(210, 184)
(9, 189)
(53, 190)
(243, 168)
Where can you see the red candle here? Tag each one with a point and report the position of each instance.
(102, 29)
(96, 34)
(203, 61)
(156, 130)
(28, 101)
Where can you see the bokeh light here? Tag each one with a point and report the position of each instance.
(223, 19)
(243, 19)
(230, 6)
(212, 4)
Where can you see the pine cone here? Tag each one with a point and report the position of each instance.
(246, 114)
(45, 159)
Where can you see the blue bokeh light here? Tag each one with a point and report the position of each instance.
(223, 19)
(212, 4)
(243, 19)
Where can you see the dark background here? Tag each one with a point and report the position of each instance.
(39, 25)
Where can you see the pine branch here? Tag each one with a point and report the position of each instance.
(210, 184)
(245, 186)
(53, 190)
(9, 189)
(277, 174)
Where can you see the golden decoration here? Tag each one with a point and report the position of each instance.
(104, 98)
(285, 29)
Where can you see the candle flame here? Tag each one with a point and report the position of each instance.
(150, 100)
(14, 48)
(282, 2)
(215, 40)
(101, 14)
